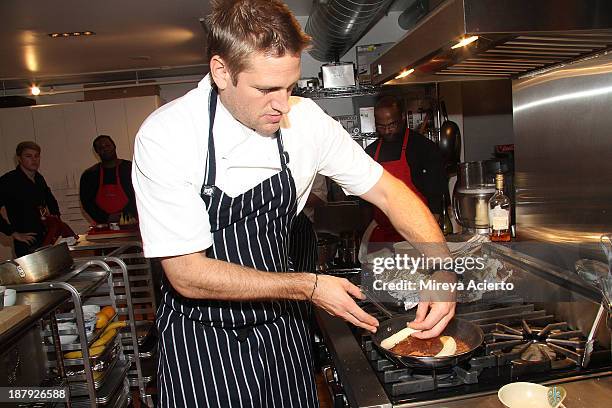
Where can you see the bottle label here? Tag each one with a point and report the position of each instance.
(499, 219)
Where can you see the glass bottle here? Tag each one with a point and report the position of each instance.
(445, 222)
(499, 212)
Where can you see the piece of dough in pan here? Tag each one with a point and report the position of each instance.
(392, 340)
(449, 346)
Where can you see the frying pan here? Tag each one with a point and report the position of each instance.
(450, 139)
(463, 330)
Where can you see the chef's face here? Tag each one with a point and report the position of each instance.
(106, 149)
(29, 159)
(390, 123)
(260, 97)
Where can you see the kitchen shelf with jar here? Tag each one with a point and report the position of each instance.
(348, 92)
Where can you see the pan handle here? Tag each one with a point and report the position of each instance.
(443, 109)
(18, 268)
(375, 302)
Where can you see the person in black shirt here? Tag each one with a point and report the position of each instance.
(27, 200)
(106, 189)
(409, 156)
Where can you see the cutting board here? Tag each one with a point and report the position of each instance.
(11, 315)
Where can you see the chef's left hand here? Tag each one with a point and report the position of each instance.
(436, 309)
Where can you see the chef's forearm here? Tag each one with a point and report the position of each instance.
(197, 277)
(409, 215)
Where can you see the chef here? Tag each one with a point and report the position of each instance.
(219, 176)
(106, 190)
(409, 156)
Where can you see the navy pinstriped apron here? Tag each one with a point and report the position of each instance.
(303, 245)
(239, 354)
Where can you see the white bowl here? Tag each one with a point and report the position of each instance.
(66, 326)
(524, 395)
(65, 338)
(10, 297)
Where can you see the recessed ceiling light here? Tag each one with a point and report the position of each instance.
(71, 34)
(35, 90)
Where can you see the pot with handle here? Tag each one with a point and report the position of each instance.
(38, 266)
(450, 139)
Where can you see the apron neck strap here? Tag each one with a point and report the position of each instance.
(406, 135)
(211, 165)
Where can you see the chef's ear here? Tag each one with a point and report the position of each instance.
(220, 72)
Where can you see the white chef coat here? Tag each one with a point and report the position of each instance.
(170, 155)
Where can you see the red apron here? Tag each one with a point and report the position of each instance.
(110, 197)
(385, 232)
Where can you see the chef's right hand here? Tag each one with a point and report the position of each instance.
(335, 296)
(27, 237)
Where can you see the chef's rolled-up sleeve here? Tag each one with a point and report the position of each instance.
(173, 218)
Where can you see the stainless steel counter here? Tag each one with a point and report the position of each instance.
(43, 302)
(588, 393)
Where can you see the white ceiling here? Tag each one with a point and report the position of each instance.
(148, 36)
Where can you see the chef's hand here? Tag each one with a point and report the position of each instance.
(436, 309)
(27, 237)
(335, 296)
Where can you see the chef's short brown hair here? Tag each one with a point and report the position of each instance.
(26, 145)
(237, 28)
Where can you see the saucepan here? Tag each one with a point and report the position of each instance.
(43, 264)
(461, 330)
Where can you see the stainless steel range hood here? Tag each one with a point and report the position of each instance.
(514, 37)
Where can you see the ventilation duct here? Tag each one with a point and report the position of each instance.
(413, 14)
(336, 25)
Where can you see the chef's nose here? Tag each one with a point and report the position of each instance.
(280, 101)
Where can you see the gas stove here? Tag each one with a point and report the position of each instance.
(524, 341)
(521, 343)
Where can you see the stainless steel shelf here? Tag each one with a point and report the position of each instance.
(321, 93)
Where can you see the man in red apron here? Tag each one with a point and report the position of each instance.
(408, 156)
(106, 188)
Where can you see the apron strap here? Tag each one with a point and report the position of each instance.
(211, 163)
(405, 143)
(284, 156)
(378, 149)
